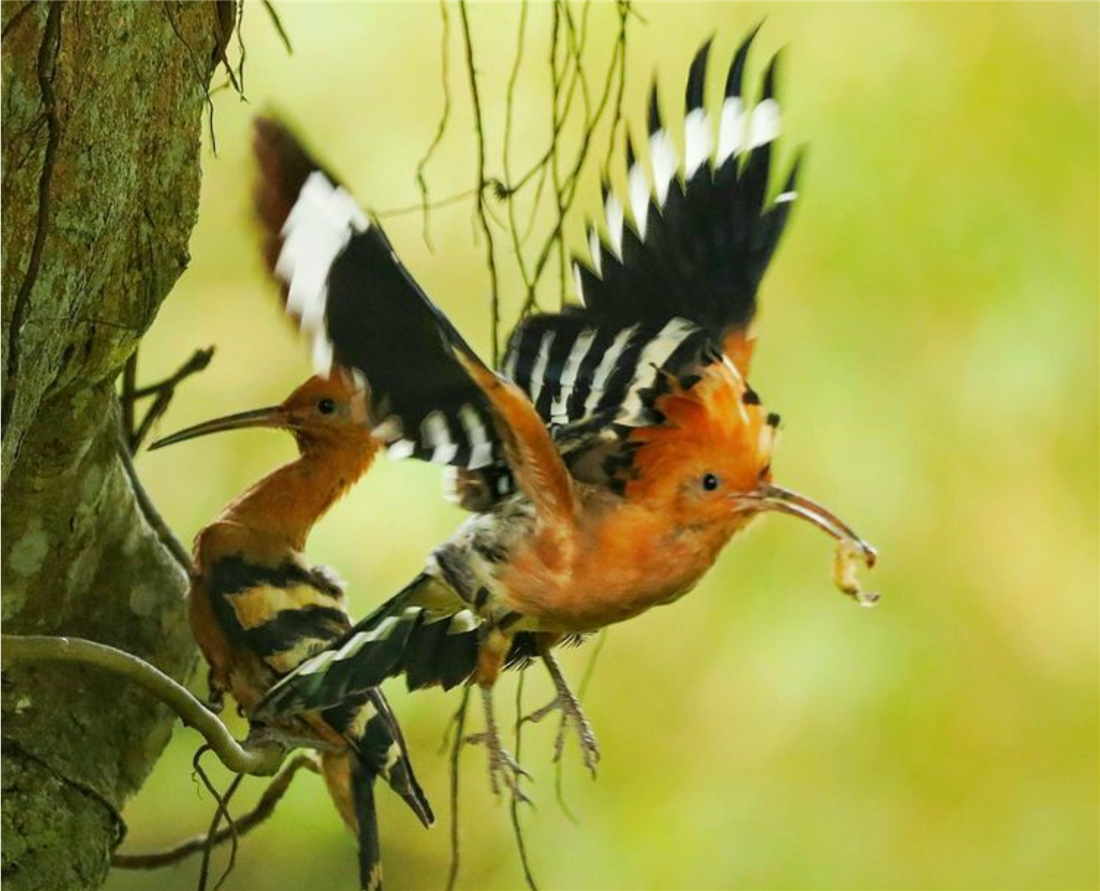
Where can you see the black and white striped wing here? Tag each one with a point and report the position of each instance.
(576, 370)
(675, 276)
(427, 632)
(362, 310)
(697, 244)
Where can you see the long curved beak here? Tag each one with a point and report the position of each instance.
(272, 416)
(851, 546)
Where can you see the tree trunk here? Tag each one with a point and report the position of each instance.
(103, 110)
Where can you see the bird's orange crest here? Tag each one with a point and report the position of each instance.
(715, 443)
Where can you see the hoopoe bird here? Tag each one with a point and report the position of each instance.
(258, 609)
(619, 449)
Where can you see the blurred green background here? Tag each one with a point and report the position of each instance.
(929, 332)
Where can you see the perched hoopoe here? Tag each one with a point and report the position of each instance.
(257, 609)
(615, 455)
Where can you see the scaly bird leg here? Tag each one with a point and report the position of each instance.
(503, 767)
(571, 712)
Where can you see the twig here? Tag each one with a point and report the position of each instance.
(129, 388)
(149, 510)
(459, 722)
(221, 45)
(264, 808)
(590, 668)
(199, 360)
(517, 829)
(406, 209)
(164, 391)
(222, 810)
(253, 760)
(219, 811)
(482, 184)
(513, 227)
(441, 129)
(570, 183)
(269, 7)
(625, 9)
(555, 148)
(241, 49)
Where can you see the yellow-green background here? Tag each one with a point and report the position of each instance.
(929, 332)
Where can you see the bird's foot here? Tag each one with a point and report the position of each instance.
(571, 714)
(504, 770)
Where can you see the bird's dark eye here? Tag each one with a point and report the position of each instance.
(326, 406)
(711, 482)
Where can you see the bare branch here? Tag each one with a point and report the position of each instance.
(513, 227)
(459, 723)
(482, 183)
(163, 393)
(264, 808)
(149, 510)
(269, 8)
(517, 829)
(421, 182)
(568, 190)
(260, 760)
(127, 397)
(221, 810)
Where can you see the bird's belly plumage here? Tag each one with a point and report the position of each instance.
(572, 581)
(599, 589)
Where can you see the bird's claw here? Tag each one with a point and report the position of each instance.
(503, 767)
(571, 713)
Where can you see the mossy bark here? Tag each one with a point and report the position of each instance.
(103, 110)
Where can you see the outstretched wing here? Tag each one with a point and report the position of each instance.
(362, 309)
(673, 286)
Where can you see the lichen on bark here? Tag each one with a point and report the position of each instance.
(103, 109)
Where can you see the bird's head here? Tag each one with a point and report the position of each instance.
(714, 446)
(708, 465)
(322, 413)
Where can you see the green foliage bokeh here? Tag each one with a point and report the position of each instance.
(929, 333)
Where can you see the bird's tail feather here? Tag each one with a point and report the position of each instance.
(366, 818)
(427, 631)
(351, 784)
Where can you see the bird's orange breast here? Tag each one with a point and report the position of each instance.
(616, 567)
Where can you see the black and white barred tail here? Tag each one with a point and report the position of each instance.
(427, 632)
(283, 615)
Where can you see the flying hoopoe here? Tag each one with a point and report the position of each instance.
(618, 451)
(257, 609)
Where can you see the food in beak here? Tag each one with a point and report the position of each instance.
(851, 550)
